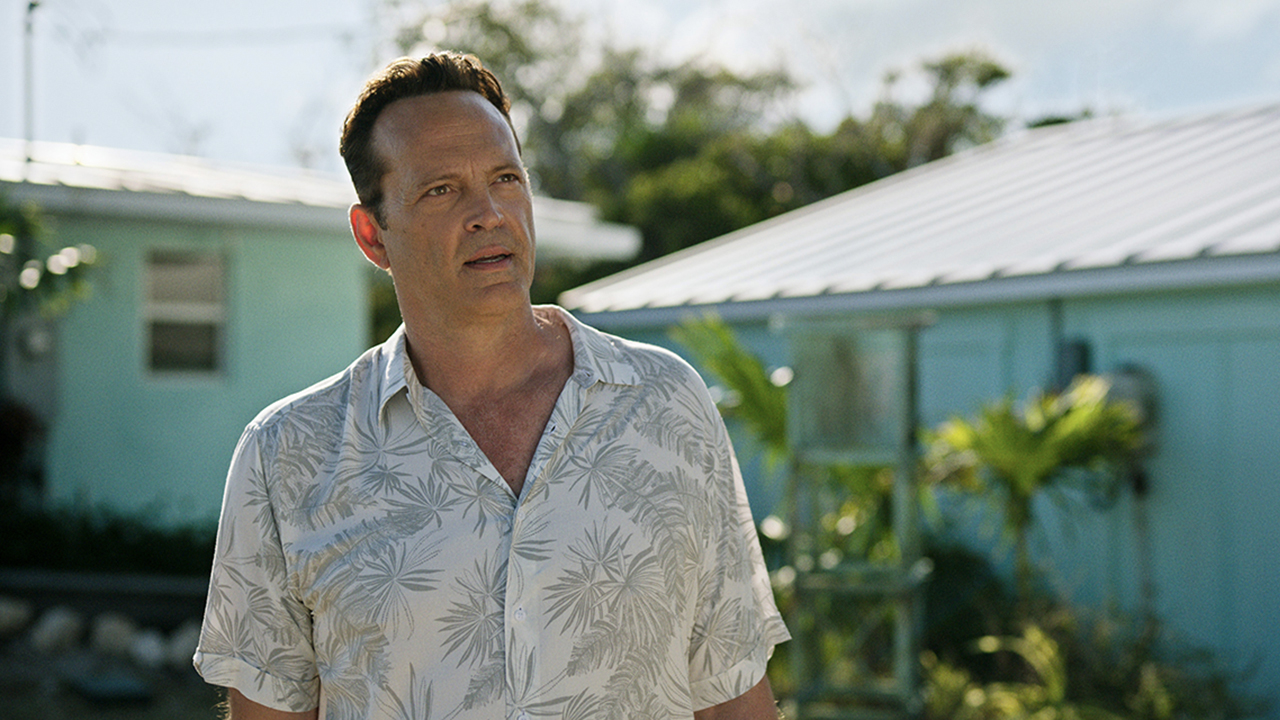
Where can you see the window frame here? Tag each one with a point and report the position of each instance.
(206, 307)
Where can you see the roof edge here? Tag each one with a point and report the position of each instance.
(102, 202)
(1198, 273)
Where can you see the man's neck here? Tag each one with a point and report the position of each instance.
(500, 381)
(466, 363)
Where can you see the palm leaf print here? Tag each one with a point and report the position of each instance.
(579, 594)
(420, 505)
(387, 580)
(583, 706)
(418, 706)
(474, 622)
(486, 683)
(599, 467)
(488, 499)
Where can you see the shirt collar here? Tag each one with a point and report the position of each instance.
(597, 357)
(393, 361)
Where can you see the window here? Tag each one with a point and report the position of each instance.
(185, 313)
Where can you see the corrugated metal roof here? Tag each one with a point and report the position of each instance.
(90, 167)
(1102, 205)
(127, 183)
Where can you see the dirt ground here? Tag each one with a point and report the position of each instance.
(77, 686)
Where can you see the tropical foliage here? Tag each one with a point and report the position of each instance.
(990, 654)
(1058, 661)
(687, 150)
(36, 280)
(756, 400)
(1042, 695)
(34, 275)
(1013, 453)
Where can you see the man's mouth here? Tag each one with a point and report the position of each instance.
(489, 259)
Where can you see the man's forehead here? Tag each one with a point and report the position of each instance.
(451, 110)
(424, 139)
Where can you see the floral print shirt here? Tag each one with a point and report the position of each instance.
(371, 560)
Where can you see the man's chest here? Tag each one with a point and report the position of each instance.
(418, 553)
(508, 432)
(507, 425)
(438, 531)
(449, 573)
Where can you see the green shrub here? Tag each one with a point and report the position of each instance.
(1063, 666)
(102, 541)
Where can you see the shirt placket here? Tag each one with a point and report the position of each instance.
(523, 611)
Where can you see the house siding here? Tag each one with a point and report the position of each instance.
(135, 441)
(1214, 542)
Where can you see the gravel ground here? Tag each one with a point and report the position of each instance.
(76, 686)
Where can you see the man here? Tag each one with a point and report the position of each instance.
(499, 512)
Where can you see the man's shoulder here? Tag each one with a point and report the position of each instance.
(648, 362)
(648, 357)
(321, 401)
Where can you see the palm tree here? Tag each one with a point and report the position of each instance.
(1020, 451)
(757, 400)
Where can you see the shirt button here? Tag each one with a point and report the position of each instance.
(522, 716)
(519, 615)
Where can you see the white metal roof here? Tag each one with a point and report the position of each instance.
(1108, 205)
(89, 180)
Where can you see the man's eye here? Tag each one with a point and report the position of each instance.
(437, 190)
(509, 177)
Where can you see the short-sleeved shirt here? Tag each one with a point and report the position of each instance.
(369, 552)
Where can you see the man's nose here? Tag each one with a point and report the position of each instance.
(485, 213)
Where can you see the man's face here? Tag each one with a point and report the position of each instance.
(457, 231)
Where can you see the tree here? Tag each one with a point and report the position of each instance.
(686, 151)
(736, 176)
(566, 109)
(949, 120)
(1016, 453)
(34, 276)
(591, 116)
(532, 45)
(740, 178)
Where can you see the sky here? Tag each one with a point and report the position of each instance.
(268, 81)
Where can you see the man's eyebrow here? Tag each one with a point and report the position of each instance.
(432, 178)
(425, 181)
(509, 166)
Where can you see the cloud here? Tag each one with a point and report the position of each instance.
(1219, 21)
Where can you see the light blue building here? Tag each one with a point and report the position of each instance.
(217, 289)
(1092, 246)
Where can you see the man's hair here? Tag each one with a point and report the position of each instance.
(405, 78)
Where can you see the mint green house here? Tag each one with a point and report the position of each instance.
(216, 290)
(1098, 246)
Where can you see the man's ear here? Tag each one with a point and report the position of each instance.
(368, 235)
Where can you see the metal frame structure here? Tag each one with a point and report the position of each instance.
(856, 621)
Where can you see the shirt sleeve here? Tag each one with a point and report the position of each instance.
(737, 623)
(256, 635)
